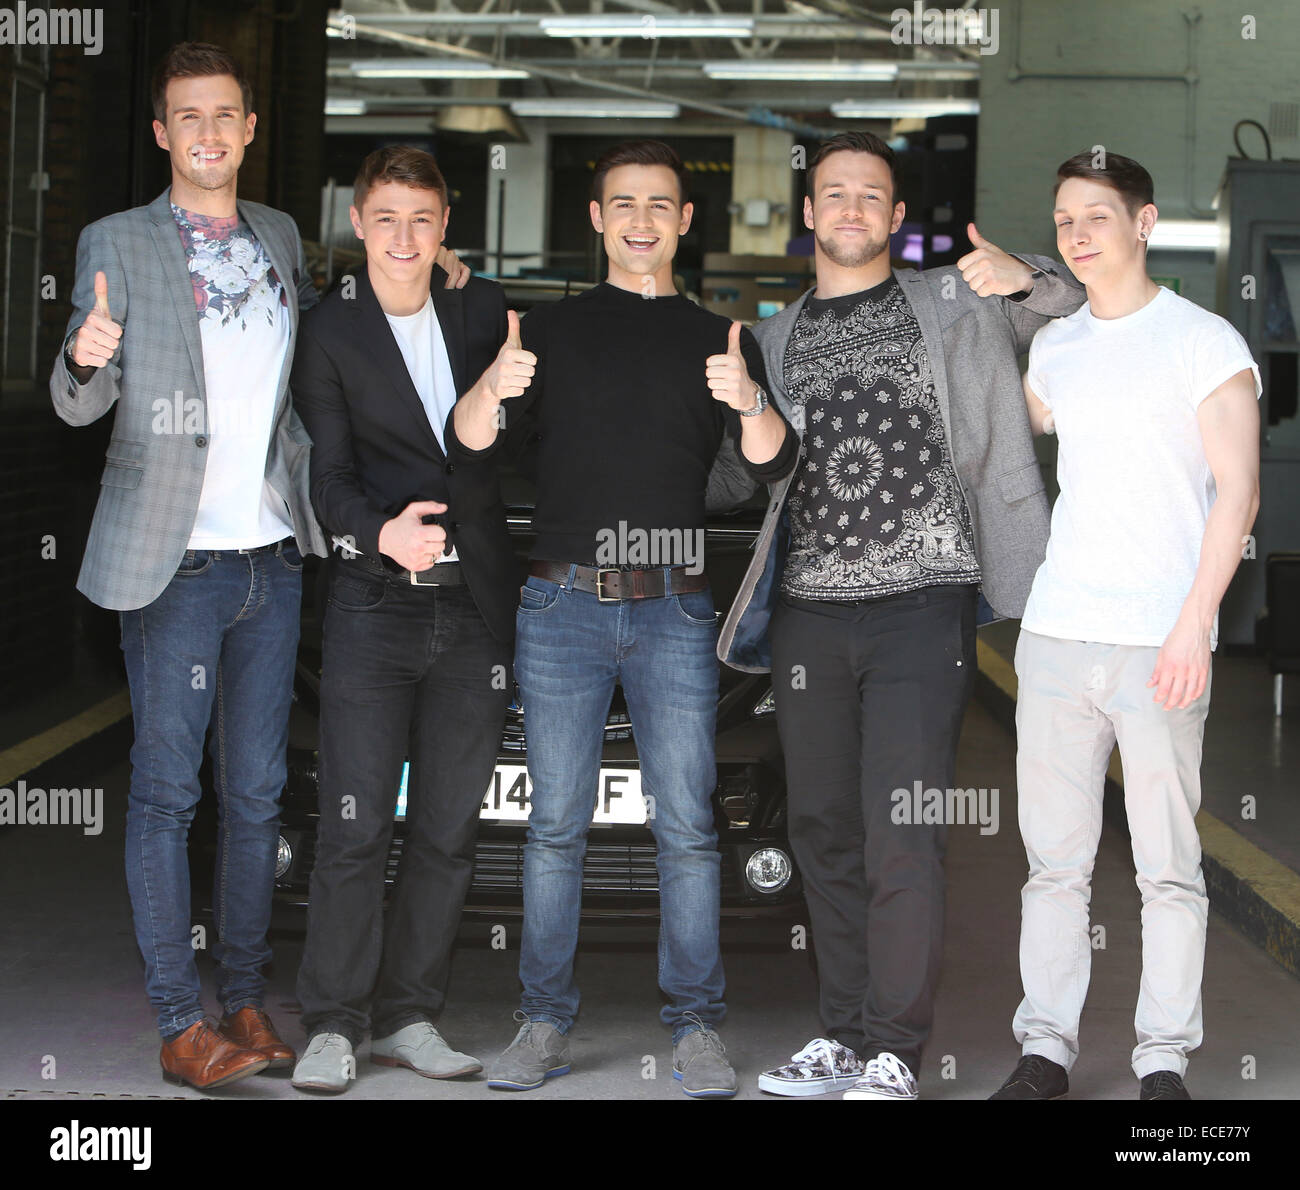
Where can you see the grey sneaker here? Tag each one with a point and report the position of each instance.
(538, 1052)
(700, 1063)
(326, 1064)
(822, 1065)
(420, 1047)
(885, 1078)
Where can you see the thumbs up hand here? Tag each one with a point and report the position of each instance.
(99, 335)
(512, 370)
(989, 271)
(728, 376)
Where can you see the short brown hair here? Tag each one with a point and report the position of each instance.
(1122, 174)
(196, 59)
(638, 152)
(857, 142)
(398, 163)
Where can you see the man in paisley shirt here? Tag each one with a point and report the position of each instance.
(857, 368)
(916, 489)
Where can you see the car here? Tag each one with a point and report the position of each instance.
(620, 879)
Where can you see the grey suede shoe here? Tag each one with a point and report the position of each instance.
(420, 1047)
(538, 1052)
(326, 1064)
(700, 1064)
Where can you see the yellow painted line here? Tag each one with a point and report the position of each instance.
(24, 757)
(1270, 879)
(996, 667)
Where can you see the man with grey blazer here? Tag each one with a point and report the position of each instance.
(186, 312)
(917, 489)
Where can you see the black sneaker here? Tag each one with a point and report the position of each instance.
(1035, 1077)
(1163, 1084)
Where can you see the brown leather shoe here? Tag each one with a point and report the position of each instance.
(202, 1058)
(251, 1029)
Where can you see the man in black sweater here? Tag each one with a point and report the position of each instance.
(634, 389)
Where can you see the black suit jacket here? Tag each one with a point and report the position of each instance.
(373, 450)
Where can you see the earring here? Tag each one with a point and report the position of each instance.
(1142, 235)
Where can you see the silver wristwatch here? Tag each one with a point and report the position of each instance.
(760, 403)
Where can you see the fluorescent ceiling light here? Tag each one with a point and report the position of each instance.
(432, 68)
(1187, 235)
(948, 72)
(898, 109)
(341, 106)
(600, 108)
(882, 72)
(648, 26)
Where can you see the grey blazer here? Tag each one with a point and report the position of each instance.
(973, 344)
(149, 493)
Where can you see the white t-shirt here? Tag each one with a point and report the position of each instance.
(419, 338)
(244, 331)
(1135, 484)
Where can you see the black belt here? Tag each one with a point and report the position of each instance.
(271, 548)
(443, 574)
(609, 584)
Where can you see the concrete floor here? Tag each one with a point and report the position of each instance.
(71, 984)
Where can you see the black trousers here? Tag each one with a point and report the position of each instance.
(869, 700)
(406, 671)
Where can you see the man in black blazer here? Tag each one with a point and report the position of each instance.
(418, 627)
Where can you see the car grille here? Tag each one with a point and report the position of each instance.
(617, 869)
(618, 726)
(609, 869)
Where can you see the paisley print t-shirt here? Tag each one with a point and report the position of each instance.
(875, 508)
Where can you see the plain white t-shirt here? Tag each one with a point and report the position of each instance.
(1136, 487)
(419, 338)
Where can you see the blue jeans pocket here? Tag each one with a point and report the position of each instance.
(696, 607)
(538, 595)
(194, 562)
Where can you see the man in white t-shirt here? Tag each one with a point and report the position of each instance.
(1155, 404)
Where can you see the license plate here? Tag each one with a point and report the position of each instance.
(509, 796)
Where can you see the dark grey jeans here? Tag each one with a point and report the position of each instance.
(869, 700)
(406, 671)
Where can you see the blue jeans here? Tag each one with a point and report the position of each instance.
(217, 646)
(570, 650)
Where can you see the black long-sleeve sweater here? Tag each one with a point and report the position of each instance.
(619, 423)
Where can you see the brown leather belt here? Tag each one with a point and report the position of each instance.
(609, 584)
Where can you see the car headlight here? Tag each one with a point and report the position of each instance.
(769, 869)
(765, 705)
(283, 858)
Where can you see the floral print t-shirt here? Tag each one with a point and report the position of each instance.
(229, 269)
(244, 328)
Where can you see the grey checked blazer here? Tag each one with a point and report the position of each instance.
(149, 494)
(973, 344)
